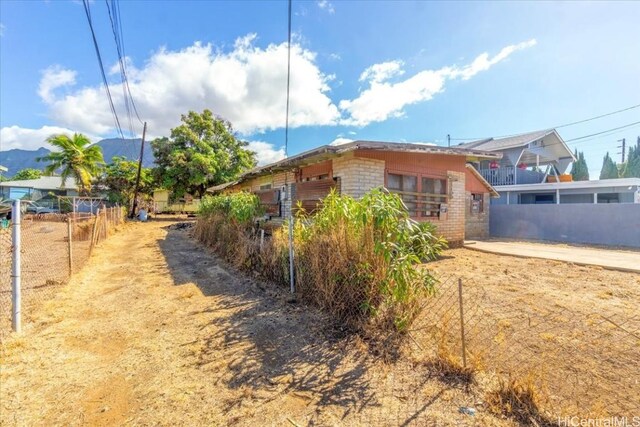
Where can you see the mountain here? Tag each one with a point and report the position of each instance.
(17, 159)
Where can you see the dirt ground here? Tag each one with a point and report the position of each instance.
(155, 330)
(575, 327)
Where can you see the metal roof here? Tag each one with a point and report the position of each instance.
(491, 144)
(329, 151)
(43, 183)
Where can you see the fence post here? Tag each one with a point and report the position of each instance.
(261, 238)
(93, 232)
(70, 234)
(291, 278)
(464, 350)
(16, 302)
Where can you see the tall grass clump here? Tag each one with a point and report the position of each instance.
(358, 260)
(226, 223)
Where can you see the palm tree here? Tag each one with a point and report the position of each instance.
(76, 157)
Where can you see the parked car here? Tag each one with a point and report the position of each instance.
(35, 208)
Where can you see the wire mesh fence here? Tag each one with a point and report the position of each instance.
(53, 246)
(579, 364)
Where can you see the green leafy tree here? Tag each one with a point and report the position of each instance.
(27, 173)
(75, 157)
(201, 152)
(119, 180)
(609, 168)
(632, 167)
(579, 170)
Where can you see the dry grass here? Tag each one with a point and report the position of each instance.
(173, 336)
(549, 317)
(521, 399)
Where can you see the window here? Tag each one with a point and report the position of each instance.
(477, 205)
(265, 187)
(411, 186)
(405, 183)
(608, 198)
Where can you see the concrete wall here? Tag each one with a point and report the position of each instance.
(616, 224)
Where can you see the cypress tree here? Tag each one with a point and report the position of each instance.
(609, 168)
(579, 170)
(632, 167)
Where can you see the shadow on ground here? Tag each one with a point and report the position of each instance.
(272, 347)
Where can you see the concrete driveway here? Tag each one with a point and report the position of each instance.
(607, 258)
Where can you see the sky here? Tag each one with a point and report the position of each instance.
(390, 71)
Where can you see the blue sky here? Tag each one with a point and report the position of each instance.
(400, 71)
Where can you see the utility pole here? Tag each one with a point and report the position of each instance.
(448, 140)
(135, 193)
(623, 146)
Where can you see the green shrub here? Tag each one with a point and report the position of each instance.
(241, 207)
(359, 258)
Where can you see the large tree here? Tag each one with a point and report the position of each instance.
(74, 157)
(201, 152)
(632, 167)
(27, 173)
(609, 168)
(579, 170)
(119, 180)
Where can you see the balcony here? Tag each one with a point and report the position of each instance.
(509, 175)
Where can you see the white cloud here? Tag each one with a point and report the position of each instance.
(483, 62)
(265, 152)
(53, 78)
(383, 71)
(326, 5)
(246, 86)
(340, 140)
(383, 99)
(28, 139)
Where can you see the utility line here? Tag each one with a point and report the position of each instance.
(554, 127)
(286, 126)
(100, 63)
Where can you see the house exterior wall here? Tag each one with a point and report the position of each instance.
(364, 170)
(358, 175)
(477, 224)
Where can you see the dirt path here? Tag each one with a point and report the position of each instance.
(156, 331)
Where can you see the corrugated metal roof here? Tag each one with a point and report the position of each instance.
(43, 183)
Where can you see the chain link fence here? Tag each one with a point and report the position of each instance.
(53, 246)
(577, 365)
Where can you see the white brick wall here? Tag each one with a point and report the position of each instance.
(358, 175)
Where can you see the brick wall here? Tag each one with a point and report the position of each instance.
(477, 225)
(453, 227)
(357, 174)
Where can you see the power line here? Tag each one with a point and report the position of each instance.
(597, 117)
(604, 131)
(100, 63)
(286, 126)
(553, 127)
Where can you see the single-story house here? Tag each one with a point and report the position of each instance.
(36, 189)
(163, 204)
(435, 183)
